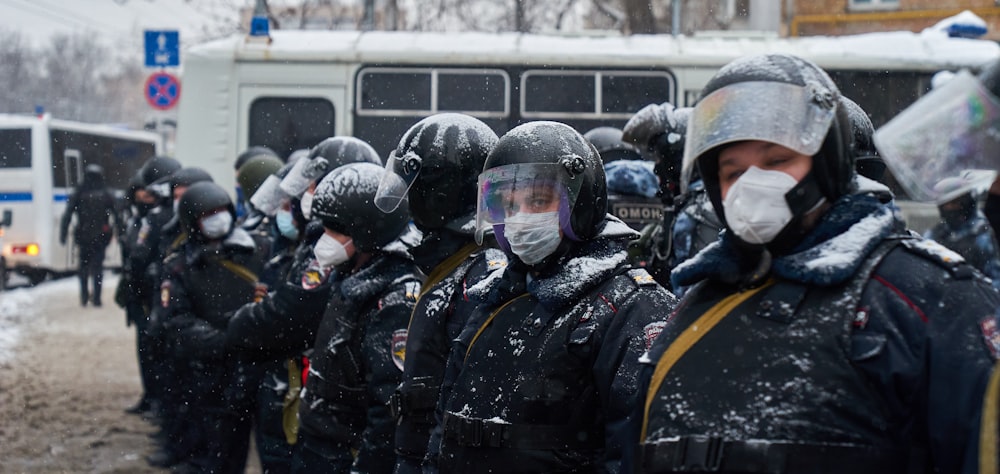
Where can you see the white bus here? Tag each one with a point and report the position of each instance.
(41, 161)
(298, 87)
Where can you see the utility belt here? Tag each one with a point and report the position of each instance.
(417, 403)
(713, 454)
(475, 432)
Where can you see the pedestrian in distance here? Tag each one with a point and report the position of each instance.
(93, 204)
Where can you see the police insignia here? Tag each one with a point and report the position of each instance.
(399, 347)
(651, 331)
(991, 334)
(165, 294)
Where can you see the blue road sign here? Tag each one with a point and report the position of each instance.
(162, 90)
(163, 48)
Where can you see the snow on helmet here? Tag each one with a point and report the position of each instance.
(545, 151)
(866, 159)
(776, 98)
(658, 131)
(344, 201)
(435, 167)
(326, 156)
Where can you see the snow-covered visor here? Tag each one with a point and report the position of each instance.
(950, 130)
(269, 196)
(523, 188)
(792, 116)
(302, 174)
(400, 173)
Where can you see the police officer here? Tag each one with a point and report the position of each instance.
(211, 274)
(818, 335)
(688, 223)
(242, 195)
(355, 365)
(963, 228)
(545, 378)
(435, 168)
(94, 207)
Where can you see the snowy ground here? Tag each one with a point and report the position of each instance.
(66, 374)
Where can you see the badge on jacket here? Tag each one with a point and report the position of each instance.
(165, 293)
(651, 331)
(399, 347)
(991, 334)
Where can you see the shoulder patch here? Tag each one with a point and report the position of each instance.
(991, 335)
(165, 293)
(495, 259)
(314, 275)
(651, 331)
(641, 277)
(399, 347)
(407, 295)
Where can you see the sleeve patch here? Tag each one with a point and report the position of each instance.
(652, 331)
(165, 294)
(399, 347)
(991, 335)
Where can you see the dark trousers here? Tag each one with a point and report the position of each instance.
(91, 270)
(137, 313)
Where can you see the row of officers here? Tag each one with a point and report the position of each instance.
(470, 305)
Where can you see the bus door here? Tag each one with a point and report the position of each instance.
(71, 162)
(287, 118)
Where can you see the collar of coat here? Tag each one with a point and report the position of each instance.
(827, 256)
(586, 265)
(393, 262)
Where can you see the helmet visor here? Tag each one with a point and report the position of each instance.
(523, 188)
(950, 130)
(792, 116)
(400, 173)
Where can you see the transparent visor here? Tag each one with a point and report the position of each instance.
(269, 196)
(950, 130)
(523, 188)
(400, 173)
(302, 174)
(792, 116)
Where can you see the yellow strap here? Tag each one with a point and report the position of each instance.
(988, 459)
(239, 270)
(689, 338)
(441, 271)
(488, 321)
(290, 405)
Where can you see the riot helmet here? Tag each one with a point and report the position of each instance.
(187, 176)
(608, 142)
(157, 168)
(326, 156)
(533, 165)
(658, 132)
(435, 167)
(344, 201)
(255, 171)
(252, 152)
(197, 209)
(782, 100)
(866, 159)
(956, 200)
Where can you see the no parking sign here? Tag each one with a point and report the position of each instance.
(162, 90)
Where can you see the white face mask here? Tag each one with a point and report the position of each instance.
(306, 204)
(532, 237)
(216, 225)
(330, 252)
(756, 209)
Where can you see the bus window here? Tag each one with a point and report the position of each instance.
(626, 94)
(563, 93)
(599, 96)
(15, 148)
(121, 158)
(401, 90)
(882, 94)
(286, 124)
(475, 93)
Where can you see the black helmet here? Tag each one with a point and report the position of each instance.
(188, 176)
(782, 99)
(345, 202)
(570, 159)
(341, 150)
(158, 167)
(198, 201)
(657, 131)
(435, 166)
(608, 142)
(866, 158)
(251, 152)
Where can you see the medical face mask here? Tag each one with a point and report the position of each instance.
(532, 237)
(329, 252)
(286, 224)
(216, 225)
(306, 204)
(755, 206)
